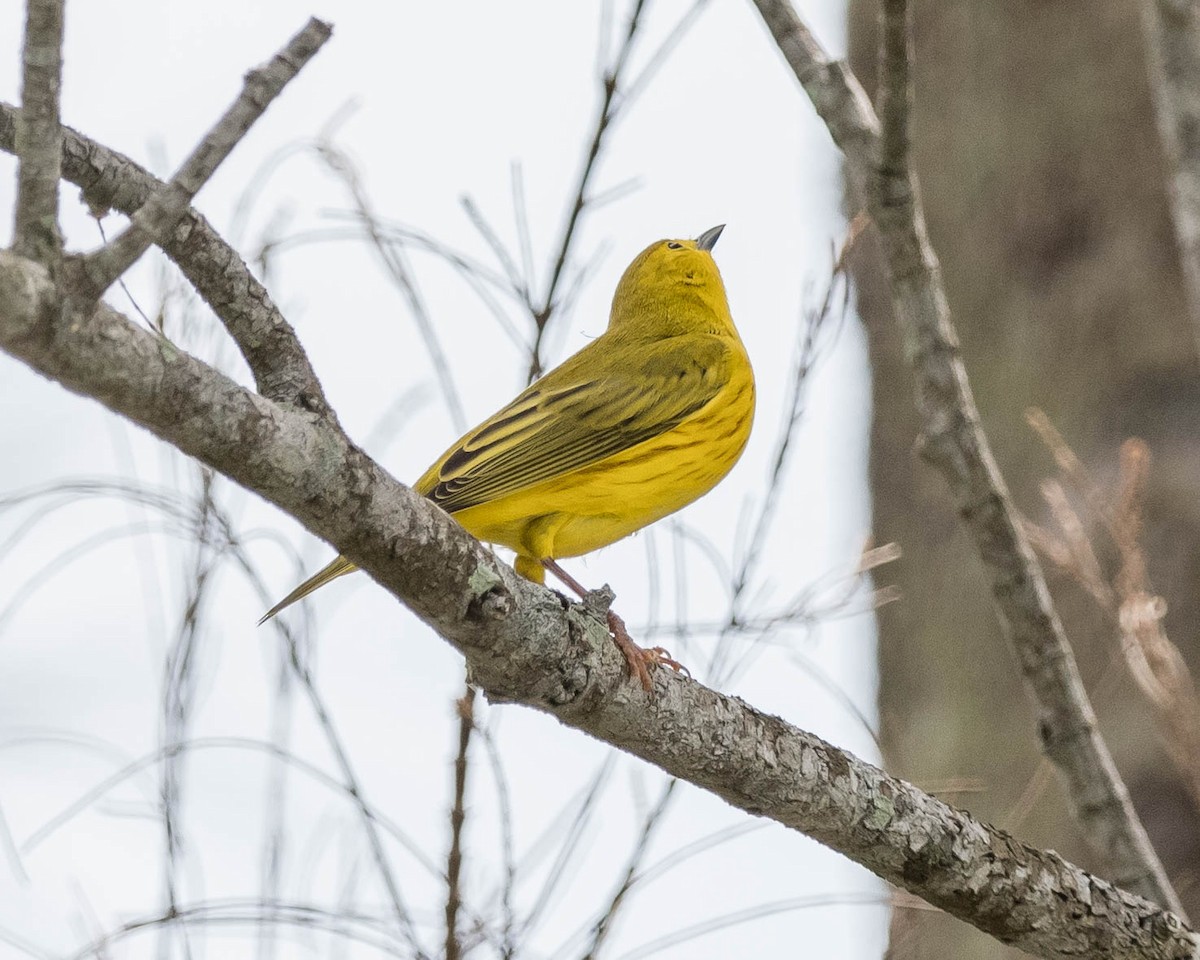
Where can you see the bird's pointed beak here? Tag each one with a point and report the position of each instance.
(708, 239)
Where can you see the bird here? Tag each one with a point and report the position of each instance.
(645, 419)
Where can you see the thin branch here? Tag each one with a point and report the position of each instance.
(369, 819)
(568, 849)
(39, 136)
(1129, 600)
(953, 439)
(609, 104)
(661, 55)
(521, 219)
(654, 817)
(517, 277)
(167, 206)
(239, 912)
(507, 946)
(196, 745)
(725, 921)
(466, 724)
(807, 354)
(266, 340)
(277, 793)
(178, 695)
(396, 263)
(523, 644)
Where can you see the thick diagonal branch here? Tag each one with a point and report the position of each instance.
(953, 439)
(169, 203)
(523, 645)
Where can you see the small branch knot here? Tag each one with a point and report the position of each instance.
(495, 603)
(597, 602)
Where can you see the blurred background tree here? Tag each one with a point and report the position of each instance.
(1046, 192)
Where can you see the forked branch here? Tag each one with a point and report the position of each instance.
(953, 439)
(169, 203)
(523, 644)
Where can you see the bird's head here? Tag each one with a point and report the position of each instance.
(673, 286)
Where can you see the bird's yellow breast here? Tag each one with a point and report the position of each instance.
(640, 422)
(592, 507)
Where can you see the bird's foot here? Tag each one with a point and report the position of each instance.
(640, 659)
(663, 655)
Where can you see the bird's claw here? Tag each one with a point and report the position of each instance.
(640, 659)
(663, 655)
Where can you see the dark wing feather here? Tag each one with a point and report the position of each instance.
(599, 403)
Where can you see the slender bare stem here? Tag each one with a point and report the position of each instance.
(266, 340)
(395, 261)
(399, 908)
(466, 725)
(610, 82)
(654, 817)
(953, 439)
(39, 136)
(167, 206)
(523, 645)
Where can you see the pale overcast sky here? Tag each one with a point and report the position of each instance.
(448, 98)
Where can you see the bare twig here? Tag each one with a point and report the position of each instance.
(1129, 600)
(275, 834)
(39, 136)
(523, 645)
(26, 947)
(953, 439)
(267, 341)
(181, 675)
(723, 922)
(609, 104)
(508, 945)
(244, 912)
(654, 817)
(197, 745)
(396, 263)
(466, 724)
(566, 851)
(370, 826)
(749, 548)
(483, 281)
(166, 206)
(806, 358)
(657, 59)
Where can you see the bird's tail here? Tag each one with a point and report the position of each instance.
(336, 569)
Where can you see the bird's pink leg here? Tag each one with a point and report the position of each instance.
(638, 658)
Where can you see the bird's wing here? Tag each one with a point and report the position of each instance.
(599, 403)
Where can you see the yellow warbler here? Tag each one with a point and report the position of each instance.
(643, 420)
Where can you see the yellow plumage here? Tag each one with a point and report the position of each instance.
(640, 422)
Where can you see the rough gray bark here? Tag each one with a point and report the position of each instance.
(155, 218)
(525, 644)
(36, 233)
(110, 180)
(953, 439)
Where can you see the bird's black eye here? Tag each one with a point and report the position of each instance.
(674, 246)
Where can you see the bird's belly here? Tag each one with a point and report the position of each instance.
(599, 504)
